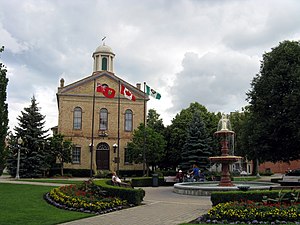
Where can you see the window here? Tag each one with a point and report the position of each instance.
(128, 120)
(126, 156)
(104, 63)
(76, 155)
(103, 119)
(77, 118)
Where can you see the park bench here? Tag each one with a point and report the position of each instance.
(122, 184)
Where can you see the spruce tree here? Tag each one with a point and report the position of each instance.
(33, 158)
(197, 147)
(3, 114)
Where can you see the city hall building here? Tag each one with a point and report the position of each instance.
(99, 114)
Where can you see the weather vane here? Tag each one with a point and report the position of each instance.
(103, 40)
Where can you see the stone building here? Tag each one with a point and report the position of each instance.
(98, 118)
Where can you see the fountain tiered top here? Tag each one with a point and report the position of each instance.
(224, 126)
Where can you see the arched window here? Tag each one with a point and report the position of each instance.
(103, 119)
(104, 63)
(77, 118)
(128, 120)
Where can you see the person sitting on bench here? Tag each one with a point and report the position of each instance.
(115, 179)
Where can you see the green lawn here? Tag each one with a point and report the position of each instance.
(24, 204)
(56, 181)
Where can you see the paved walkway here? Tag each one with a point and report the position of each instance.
(160, 207)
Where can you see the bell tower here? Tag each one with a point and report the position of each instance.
(103, 59)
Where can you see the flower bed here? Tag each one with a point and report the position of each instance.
(252, 213)
(86, 197)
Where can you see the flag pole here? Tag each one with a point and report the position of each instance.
(92, 138)
(144, 141)
(118, 141)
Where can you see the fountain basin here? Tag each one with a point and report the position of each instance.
(228, 158)
(205, 188)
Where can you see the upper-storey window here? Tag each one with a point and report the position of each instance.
(77, 118)
(104, 63)
(103, 119)
(128, 120)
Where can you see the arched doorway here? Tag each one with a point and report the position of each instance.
(102, 156)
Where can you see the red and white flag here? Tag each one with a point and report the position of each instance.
(105, 90)
(127, 93)
(100, 88)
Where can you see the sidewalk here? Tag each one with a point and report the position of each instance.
(160, 207)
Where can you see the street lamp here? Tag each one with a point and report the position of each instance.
(117, 158)
(20, 141)
(91, 145)
(115, 147)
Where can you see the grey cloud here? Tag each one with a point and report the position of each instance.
(217, 81)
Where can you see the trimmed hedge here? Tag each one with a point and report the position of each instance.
(133, 196)
(73, 172)
(146, 182)
(231, 196)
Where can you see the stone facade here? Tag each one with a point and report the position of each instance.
(76, 102)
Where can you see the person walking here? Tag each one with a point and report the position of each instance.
(195, 172)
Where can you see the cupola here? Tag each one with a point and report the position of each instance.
(103, 59)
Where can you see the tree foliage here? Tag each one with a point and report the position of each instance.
(3, 114)
(61, 150)
(155, 122)
(33, 158)
(177, 132)
(154, 146)
(274, 105)
(198, 144)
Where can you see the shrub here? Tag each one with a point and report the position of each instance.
(132, 196)
(257, 196)
(146, 181)
(73, 172)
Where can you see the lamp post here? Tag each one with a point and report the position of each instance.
(91, 145)
(116, 159)
(20, 141)
(115, 147)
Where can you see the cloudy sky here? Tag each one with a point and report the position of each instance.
(205, 51)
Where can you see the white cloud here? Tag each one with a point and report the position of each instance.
(205, 51)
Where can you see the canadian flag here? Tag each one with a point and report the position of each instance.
(127, 93)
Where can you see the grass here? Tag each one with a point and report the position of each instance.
(56, 181)
(24, 204)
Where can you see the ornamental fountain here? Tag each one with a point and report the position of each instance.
(224, 132)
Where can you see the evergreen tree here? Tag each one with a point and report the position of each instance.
(3, 114)
(176, 133)
(197, 147)
(33, 158)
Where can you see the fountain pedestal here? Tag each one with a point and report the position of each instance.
(225, 159)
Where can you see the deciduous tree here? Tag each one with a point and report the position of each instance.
(274, 105)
